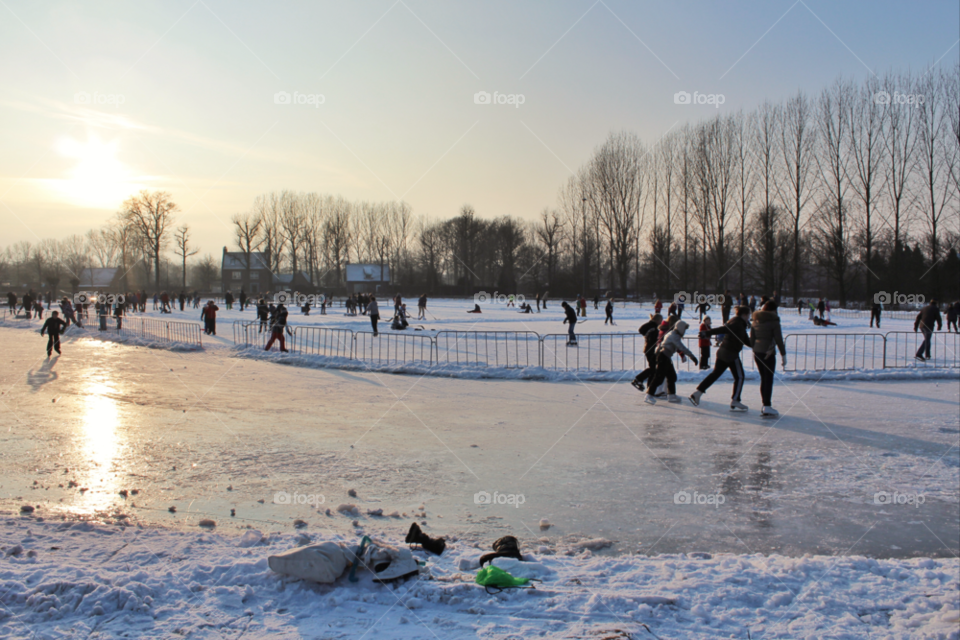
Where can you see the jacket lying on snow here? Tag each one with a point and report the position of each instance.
(673, 341)
(735, 338)
(766, 335)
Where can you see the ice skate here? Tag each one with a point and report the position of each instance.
(769, 412)
(736, 405)
(649, 399)
(695, 397)
(637, 385)
(673, 399)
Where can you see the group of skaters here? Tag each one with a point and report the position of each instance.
(758, 330)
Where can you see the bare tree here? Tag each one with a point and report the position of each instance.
(796, 146)
(182, 238)
(549, 232)
(247, 228)
(151, 214)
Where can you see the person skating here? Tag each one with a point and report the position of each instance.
(182, 299)
(26, 304)
(228, 299)
(725, 307)
(263, 314)
(650, 331)
(821, 307)
(953, 314)
(422, 307)
(875, 312)
(209, 317)
(657, 306)
(704, 343)
(243, 300)
(68, 313)
(609, 310)
(702, 309)
(12, 302)
(373, 310)
(925, 321)
(767, 338)
(596, 301)
(278, 324)
(671, 344)
(53, 327)
(800, 307)
(538, 302)
(571, 319)
(728, 357)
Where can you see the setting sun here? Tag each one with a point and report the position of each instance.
(99, 178)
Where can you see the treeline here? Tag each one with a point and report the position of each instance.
(843, 194)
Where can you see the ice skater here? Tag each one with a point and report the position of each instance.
(53, 327)
(422, 307)
(767, 337)
(728, 357)
(672, 343)
(373, 310)
(571, 319)
(209, 317)
(704, 343)
(927, 317)
(875, 312)
(650, 331)
(609, 310)
(278, 324)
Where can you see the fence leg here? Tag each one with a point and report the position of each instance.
(884, 366)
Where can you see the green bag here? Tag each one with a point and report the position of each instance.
(493, 577)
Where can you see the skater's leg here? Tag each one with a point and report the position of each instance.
(736, 368)
(671, 375)
(49, 344)
(766, 366)
(718, 368)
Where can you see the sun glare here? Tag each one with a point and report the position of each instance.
(99, 178)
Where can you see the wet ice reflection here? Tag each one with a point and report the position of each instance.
(101, 442)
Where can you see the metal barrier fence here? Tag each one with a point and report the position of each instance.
(507, 349)
(597, 352)
(393, 348)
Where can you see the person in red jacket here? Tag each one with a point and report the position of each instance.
(209, 317)
(704, 343)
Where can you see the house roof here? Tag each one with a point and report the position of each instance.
(238, 260)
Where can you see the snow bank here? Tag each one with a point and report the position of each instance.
(61, 579)
(478, 372)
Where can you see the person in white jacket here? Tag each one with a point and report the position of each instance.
(671, 344)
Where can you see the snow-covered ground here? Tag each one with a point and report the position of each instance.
(854, 469)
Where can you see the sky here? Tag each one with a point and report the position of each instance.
(439, 104)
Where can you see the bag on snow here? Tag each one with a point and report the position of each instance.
(496, 578)
(323, 562)
(385, 561)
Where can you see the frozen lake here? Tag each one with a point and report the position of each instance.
(206, 433)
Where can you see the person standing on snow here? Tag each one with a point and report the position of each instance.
(875, 312)
(278, 324)
(53, 327)
(571, 319)
(672, 343)
(953, 313)
(422, 307)
(927, 317)
(728, 357)
(263, 314)
(767, 338)
(725, 306)
(373, 310)
(657, 306)
(243, 299)
(209, 317)
(702, 309)
(609, 310)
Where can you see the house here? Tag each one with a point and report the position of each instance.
(235, 275)
(99, 279)
(299, 281)
(366, 278)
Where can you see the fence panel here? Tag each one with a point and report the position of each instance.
(834, 351)
(393, 348)
(323, 341)
(254, 336)
(902, 348)
(508, 349)
(594, 352)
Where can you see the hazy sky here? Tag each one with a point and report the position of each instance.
(101, 99)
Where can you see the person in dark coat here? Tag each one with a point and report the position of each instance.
(263, 314)
(953, 314)
(650, 331)
(767, 337)
(925, 321)
(875, 312)
(609, 311)
(53, 327)
(821, 307)
(571, 319)
(728, 357)
(209, 316)
(278, 324)
(725, 306)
